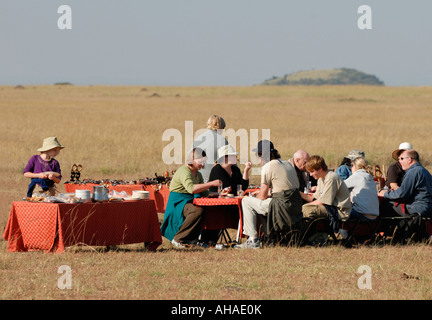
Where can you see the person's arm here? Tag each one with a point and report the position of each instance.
(248, 166)
(405, 190)
(263, 192)
(306, 197)
(40, 175)
(393, 185)
(54, 177)
(200, 187)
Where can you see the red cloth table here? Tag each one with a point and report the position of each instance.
(53, 226)
(217, 219)
(159, 192)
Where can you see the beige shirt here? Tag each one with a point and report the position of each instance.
(332, 191)
(279, 176)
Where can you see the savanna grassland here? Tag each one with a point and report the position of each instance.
(116, 133)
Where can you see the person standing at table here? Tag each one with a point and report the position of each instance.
(210, 141)
(331, 198)
(182, 220)
(395, 173)
(43, 170)
(283, 208)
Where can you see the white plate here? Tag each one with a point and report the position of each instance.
(130, 199)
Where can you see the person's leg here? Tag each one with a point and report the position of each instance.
(313, 211)
(251, 207)
(191, 227)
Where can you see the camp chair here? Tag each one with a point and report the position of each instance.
(311, 230)
(361, 230)
(399, 228)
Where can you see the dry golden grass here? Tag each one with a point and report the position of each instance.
(116, 132)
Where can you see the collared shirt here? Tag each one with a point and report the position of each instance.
(415, 190)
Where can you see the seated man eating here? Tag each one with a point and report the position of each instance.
(332, 197)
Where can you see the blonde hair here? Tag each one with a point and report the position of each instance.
(361, 163)
(215, 122)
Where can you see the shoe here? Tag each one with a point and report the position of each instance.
(178, 244)
(249, 244)
(202, 244)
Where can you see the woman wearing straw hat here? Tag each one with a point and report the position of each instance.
(227, 171)
(43, 169)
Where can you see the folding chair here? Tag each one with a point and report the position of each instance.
(312, 226)
(399, 229)
(361, 230)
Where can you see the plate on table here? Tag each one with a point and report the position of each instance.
(131, 199)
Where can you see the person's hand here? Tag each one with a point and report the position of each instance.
(225, 191)
(248, 166)
(382, 193)
(215, 183)
(50, 176)
(313, 189)
(43, 175)
(254, 193)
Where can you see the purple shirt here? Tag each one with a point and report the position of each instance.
(37, 165)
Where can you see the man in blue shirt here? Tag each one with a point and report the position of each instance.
(415, 191)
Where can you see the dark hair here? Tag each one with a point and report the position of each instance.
(346, 161)
(413, 155)
(274, 154)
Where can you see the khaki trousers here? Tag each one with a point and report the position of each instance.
(191, 227)
(314, 211)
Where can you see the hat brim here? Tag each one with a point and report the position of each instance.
(396, 153)
(42, 149)
(219, 160)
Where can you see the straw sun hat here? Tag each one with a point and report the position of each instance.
(50, 143)
(402, 147)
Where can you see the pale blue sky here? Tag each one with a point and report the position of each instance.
(200, 42)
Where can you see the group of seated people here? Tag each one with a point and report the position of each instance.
(349, 192)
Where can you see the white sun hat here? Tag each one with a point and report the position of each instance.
(402, 147)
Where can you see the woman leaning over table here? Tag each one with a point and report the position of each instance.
(229, 173)
(182, 221)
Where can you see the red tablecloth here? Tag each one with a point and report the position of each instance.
(53, 226)
(158, 193)
(219, 219)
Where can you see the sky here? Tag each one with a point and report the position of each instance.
(211, 43)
